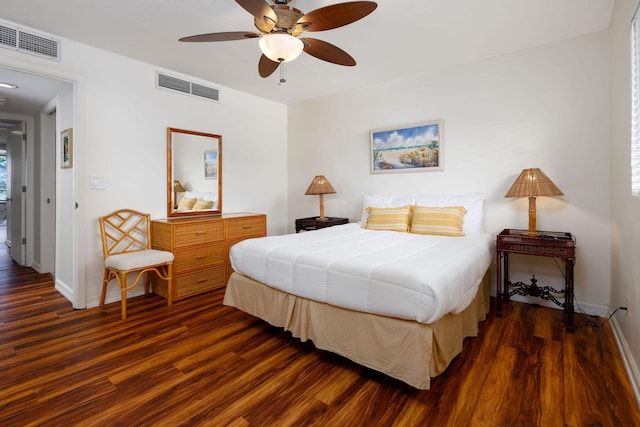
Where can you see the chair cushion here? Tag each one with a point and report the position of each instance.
(136, 260)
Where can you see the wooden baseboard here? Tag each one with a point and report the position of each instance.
(627, 358)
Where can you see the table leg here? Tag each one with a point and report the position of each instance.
(568, 302)
(505, 278)
(498, 284)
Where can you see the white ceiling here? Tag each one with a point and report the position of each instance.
(400, 38)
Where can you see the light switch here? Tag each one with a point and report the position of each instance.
(97, 182)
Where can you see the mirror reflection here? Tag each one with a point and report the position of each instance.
(194, 173)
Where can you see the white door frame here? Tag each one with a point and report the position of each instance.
(75, 291)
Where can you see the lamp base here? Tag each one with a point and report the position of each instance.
(532, 219)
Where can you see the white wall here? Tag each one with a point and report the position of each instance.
(545, 107)
(120, 126)
(625, 212)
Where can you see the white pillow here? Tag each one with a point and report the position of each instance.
(201, 195)
(473, 203)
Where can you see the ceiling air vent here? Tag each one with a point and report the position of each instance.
(12, 37)
(165, 81)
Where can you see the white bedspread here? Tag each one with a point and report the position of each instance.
(410, 276)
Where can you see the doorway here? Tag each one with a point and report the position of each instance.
(12, 198)
(47, 105)
(3, 194)
(16, 145)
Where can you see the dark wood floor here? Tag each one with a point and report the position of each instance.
(201, 363)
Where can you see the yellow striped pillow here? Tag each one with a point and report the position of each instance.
(202, 204)
(390, 219)
(186, 203)
(443, 221)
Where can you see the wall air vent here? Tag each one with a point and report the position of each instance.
(8, 37)
(205, 91)
(165, 81)
(174, 83)
(12, 37)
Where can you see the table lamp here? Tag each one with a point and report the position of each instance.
(177, 188)
(533, 183)
(321, 186)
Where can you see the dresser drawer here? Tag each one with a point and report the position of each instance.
(201, 256)
(246, 227)
(198, 232)
(199, 281)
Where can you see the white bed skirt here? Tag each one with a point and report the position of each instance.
(403, 349)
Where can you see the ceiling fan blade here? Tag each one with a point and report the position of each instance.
(336, 15)
(266, 67)
(259, 9)
(327, 52)
(221, 37)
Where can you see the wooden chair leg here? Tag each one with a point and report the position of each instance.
(123, 292)
(105, 280)
(170, 284)
(147, 282)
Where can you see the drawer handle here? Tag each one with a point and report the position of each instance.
(202, 257)
(201, 280)
(200, 233)
(246, 227)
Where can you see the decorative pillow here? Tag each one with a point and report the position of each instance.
(442, 221)
(473, 203)
(379, 201)
(390, 219)
(186, 204)
(202, 204)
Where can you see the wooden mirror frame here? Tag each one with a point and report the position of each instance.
(193, 171)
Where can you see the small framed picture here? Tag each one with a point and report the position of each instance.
(66, 148)
(211, 164)
(411, 148)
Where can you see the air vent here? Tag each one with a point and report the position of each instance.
(38, 45)
(174, 83)
(14, 38)
(8, 37)
(204, 91)
(165, 81)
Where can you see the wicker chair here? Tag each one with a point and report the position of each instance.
(126, 247)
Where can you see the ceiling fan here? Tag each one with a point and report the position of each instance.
(280, 25)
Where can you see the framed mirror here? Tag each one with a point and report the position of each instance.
(194, 173)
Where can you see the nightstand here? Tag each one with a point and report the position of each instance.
(554, 244)
(314, 223)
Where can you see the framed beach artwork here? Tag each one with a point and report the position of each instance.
(211, 164)
(411, 148)
(66, 148)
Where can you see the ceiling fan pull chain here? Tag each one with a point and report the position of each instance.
(282, 79)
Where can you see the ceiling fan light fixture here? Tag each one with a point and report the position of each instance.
(281, 47)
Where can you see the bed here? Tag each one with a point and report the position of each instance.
(400, 302)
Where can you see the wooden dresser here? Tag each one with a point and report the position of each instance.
(201, 247)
